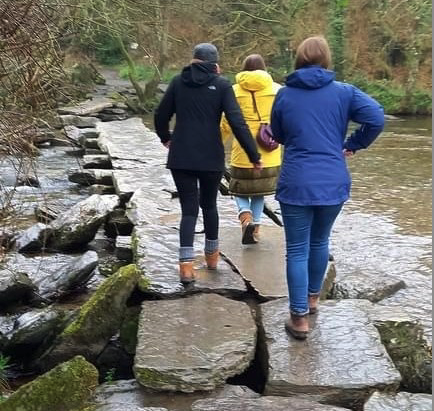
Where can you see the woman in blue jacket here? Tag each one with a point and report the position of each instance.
(310, 118)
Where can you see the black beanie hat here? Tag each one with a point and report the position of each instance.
(206, 52)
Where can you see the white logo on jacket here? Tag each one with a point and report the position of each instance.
(212, 87)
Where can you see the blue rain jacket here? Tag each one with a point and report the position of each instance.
(310, 118)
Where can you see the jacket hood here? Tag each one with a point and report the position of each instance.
(198, 74)
(254, 80)
(311, 77)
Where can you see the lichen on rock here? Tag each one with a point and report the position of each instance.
(66, 387)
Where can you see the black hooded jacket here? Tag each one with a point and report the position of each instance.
(198, 97)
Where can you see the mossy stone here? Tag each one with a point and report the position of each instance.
(66, 387)
(98, 320)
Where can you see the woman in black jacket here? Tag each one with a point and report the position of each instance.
(198, 97)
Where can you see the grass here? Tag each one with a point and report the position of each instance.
(145, 73)
(4, 364)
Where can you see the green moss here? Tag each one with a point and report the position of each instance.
(409, 352)
(129, 329)
(104, 306)
(144, 283)
(155, 379)
(66, 387)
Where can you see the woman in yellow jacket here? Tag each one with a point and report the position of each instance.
(249, 186)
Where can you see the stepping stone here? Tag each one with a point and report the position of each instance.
(131, 393)
(368, 287)
(341, 362)
(116, 138)
(261, 404)
(100, 161)
(87, 107)
(198, 344)
(156, 251)
(78, 121)
(263, 264)
(400, 402)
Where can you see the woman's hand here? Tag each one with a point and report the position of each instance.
(258, 166)
(167, 145)
(348, 153)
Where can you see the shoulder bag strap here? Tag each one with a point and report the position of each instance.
(255, 106)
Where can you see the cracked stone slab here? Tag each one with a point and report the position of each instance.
(261, 404)
(263, 264)
(341, 362)
(199, 343)
(131, 393)
(156, 251)
(79, 121)
(402, 401)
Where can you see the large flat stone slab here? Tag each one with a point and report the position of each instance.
(261, 404)
(341, 362)
(129, 393)
(402, 401)
(199, 343)
(85, 108)
(156, 251)
(263, 264)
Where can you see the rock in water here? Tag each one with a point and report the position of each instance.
(261, 404)
(199, 343)
(34, 327)
(79, 224)
(80, 122)
(66, 387)
(400, 402)
(98, 320)
(56, 274)
(341, 362)
(14, 286)
(33, 239)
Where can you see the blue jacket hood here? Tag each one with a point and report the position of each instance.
(310, 77)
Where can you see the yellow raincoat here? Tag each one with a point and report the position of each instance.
(261, 83)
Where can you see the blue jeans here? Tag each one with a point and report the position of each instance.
(253, 204)
(307, 231)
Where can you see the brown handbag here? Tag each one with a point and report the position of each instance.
(264, 137)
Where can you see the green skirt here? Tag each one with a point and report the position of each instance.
(249, 182)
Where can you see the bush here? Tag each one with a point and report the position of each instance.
(393, 96)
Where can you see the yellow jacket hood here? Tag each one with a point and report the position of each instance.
(254, 80)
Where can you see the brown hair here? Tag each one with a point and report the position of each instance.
(253, 62)
(313, 51)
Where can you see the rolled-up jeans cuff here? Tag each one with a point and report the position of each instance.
(314, 294)
(186, 254)
(298, 313)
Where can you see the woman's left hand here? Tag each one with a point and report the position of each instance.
(167, 145)
(348, 153)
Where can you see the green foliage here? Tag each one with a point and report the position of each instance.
(107, 49)
(110, 375)
(4, 364)
(394, 97)
(337, 17)
(146, 73)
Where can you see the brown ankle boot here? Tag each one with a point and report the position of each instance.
(186, 272)
(256, 233)
(212, 260)
(247, 228)
(313, 304)
(297, 326)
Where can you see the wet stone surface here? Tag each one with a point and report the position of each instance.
(369, 287)
(262, 265)
(199, 343)
(156, 250)
(341, 362)
(400, 402)
(261, 404)
(131, 393)
(55, 275)
(87, 107)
